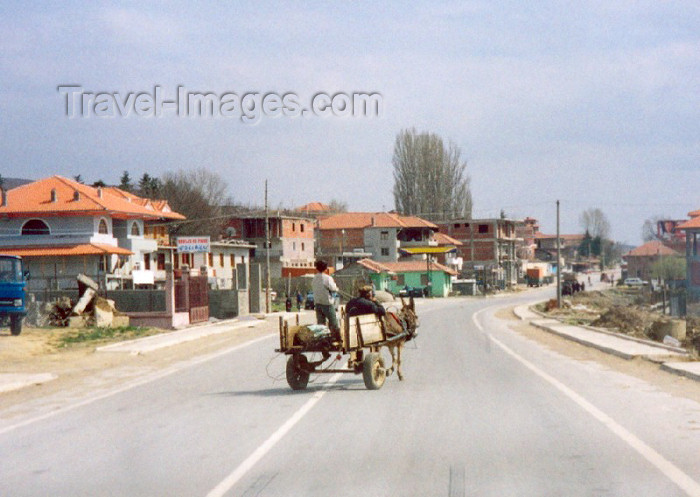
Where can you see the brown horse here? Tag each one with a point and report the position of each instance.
(406, 322)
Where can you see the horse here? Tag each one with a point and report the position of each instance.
(406, 322)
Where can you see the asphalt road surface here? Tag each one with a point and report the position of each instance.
(482, 411)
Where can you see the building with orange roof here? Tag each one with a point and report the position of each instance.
(381, 234)
(314, 209)
(292, 241)
(432, 278)
(62, 228)
(692, 253)
(641, 259)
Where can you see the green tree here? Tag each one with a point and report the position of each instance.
(430, 178)
(669, 268)
(99, 184)
(584, 249)
(125, 182)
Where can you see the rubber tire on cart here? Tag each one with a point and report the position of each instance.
(298, 372)
(373, 371)
(15, 324)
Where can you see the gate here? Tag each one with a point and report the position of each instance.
(192, 295)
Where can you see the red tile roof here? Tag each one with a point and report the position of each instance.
(73, 198)
(58, 250)
(651, 248)
(349, 220)
(314, 207)
(693, 223)
(444, 239)
(404, 266)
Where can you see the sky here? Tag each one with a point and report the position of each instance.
(595, 104)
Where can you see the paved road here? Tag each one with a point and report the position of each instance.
(482, 412)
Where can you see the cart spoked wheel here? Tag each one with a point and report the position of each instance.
(373, 371)
(298, 371)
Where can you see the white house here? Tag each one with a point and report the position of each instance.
(62, 228)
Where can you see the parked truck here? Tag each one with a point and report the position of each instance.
(535, 276)
(13, 281)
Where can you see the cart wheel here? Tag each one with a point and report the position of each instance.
(373, 371)
(15, 324)
(297, 372)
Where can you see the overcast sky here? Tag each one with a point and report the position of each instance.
(592, 103)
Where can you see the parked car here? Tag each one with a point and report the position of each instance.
(635, 282)
(411, 291)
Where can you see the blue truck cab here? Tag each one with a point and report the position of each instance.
(13, 282)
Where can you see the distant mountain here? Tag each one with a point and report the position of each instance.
(10, 183)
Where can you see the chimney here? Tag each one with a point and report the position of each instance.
(76, 195)
(99, 192)
(372, 221)
(3, 192)
(54, 195)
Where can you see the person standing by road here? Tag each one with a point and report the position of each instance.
(299, 299)
(323, 286)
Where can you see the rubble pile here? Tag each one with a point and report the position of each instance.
(90, 310)
(625, 319)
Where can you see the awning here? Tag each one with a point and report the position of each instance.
(65, 250)
(428, 250)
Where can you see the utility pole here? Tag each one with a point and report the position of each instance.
(267, 255)
(558, 261)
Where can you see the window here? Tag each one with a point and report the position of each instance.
(35, 227)
(302, 246)
(294, 245)
(160, 261)
(401, 279)
(483, 228)
(221, 259)
(102, 227)
(211, 259)
(147, 262)
(233, 260)
(294, 227)
(135, 230)
(385, 251)
(457, 225)
(301, 227)
(384, 235)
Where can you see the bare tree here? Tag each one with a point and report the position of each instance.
(338, 206)
(596, 223)
(430, 179)
(199, 195)
(650, 229)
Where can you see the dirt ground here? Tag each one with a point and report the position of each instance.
(620, 310)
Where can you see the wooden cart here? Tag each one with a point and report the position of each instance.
(361, 339)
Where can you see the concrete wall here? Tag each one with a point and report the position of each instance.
(223, 304)
(138, 300)
(256, 296)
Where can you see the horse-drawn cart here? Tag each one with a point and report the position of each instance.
(361, 337)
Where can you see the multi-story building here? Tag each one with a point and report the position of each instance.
(488, 248)
(63, 228)
(291, 247)
(379, 234)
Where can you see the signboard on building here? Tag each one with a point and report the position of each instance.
(193, 244)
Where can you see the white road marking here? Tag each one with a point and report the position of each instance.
(141, 381)
(238, 473)
(672, 472)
